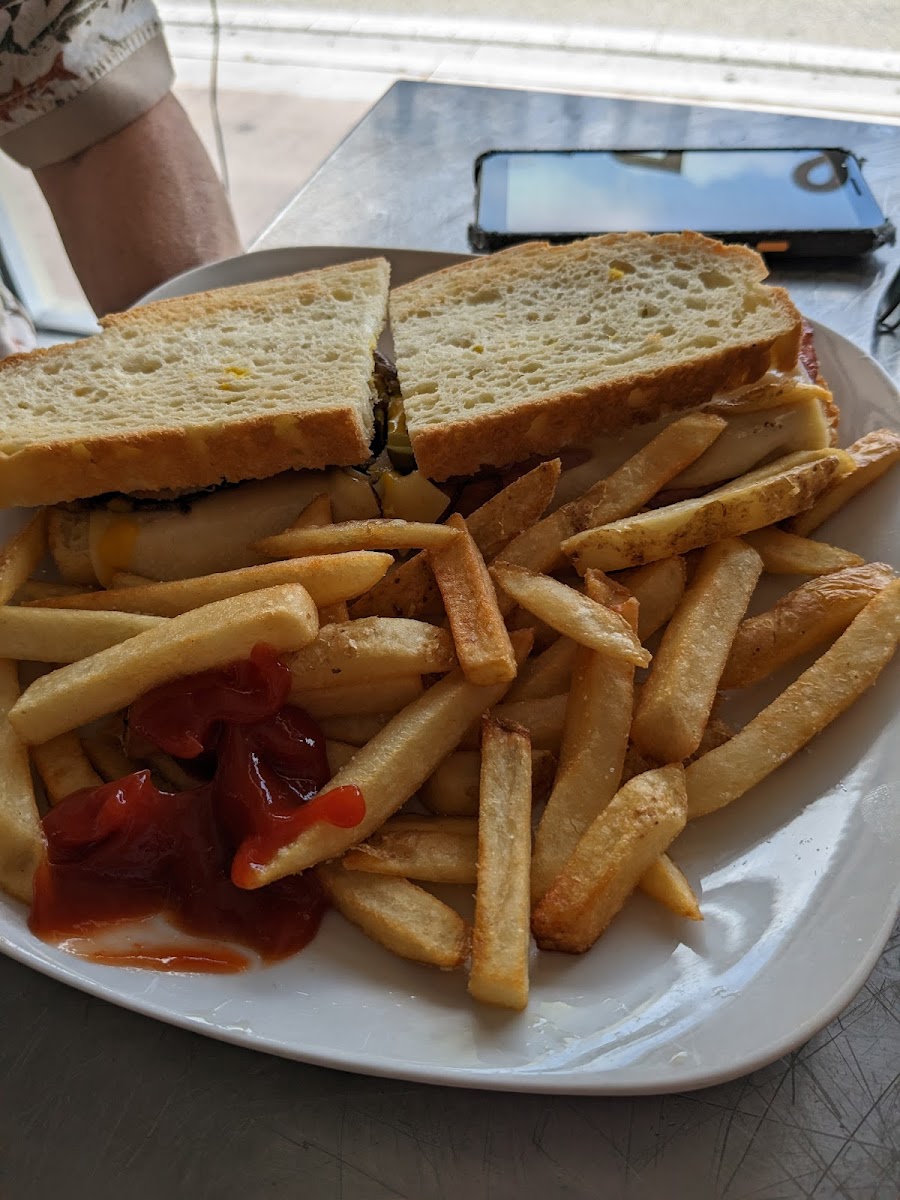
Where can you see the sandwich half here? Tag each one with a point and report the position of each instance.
(230, 385)
(542, 347)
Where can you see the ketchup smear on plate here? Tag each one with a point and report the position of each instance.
(126, 851)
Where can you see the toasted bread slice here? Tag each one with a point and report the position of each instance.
(541, 347)
(239, 383)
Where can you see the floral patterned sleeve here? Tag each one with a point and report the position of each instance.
(75, 71)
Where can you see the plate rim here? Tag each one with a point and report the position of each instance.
(522, 1078)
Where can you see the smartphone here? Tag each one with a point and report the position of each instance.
(801, 202)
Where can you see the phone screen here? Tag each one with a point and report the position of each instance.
(713, 191)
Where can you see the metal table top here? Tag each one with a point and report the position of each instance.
(98, 1102)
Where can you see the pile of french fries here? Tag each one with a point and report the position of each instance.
(482, 691)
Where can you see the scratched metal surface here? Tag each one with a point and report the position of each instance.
(98, 1102)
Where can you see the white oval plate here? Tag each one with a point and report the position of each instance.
(799, 882)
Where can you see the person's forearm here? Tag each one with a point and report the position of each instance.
(139, 207)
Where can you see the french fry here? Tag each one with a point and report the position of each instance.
(501, 935)
(64, 767)
(787, 554)
(284, 617)
(401, 916)
(172, 772)
(544, 720)
(872, 456)
(409, 590)
(482, 642)
(317, 512)
(21, 555)
(338, 753)
(665, 882)
(61, 636)
(388, 770)
(658, 588)
(21, 837)
(759, 499)
(358, 699)
(106, 754)
(624, 492)
(354, 729)
(813, 701)
(543, 635)
(380, 533)
(677, 697)
(328, 579)
(716, 734)
(431, 857)
(452, 789)
(570, 613)
(595, 739)
(804, 619)
(334, 614)
(618, 847)
(549, 674)
(371, 650)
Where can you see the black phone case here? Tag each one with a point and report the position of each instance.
(772, 243)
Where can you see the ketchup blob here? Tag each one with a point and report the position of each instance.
(126, 850)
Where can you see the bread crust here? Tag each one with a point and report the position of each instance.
(508, 434)
(546, 426)
(45, 473)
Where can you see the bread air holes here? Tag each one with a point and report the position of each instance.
(623, 265)
(484, 296)
(141, 364)
(648, 310)
(714, 279)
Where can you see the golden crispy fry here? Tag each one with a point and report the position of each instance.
(759, 499)
(802, 710)
(615, 851)
(716, 733)
(570, 613)
(548, 674)
(21, 837)
(284, 617)
(595, 738)
(353, 729)
(677, 698)
(624, 492)
(501, 936)
(804, 619)
(409, 590)
(658, 588)
(544, 720)
(432, 857)
(60, 636)
(872, 455)
(106, 755)
(358, 699)
(334, 614)
(481, 639)
(372, 650)
(64, 767)
(377, 534)
(452, 789)
(317, 513)
(665, 882)
(787, 554)
(399, 915)
(21, 555)
(328, 579)
(390, 768)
